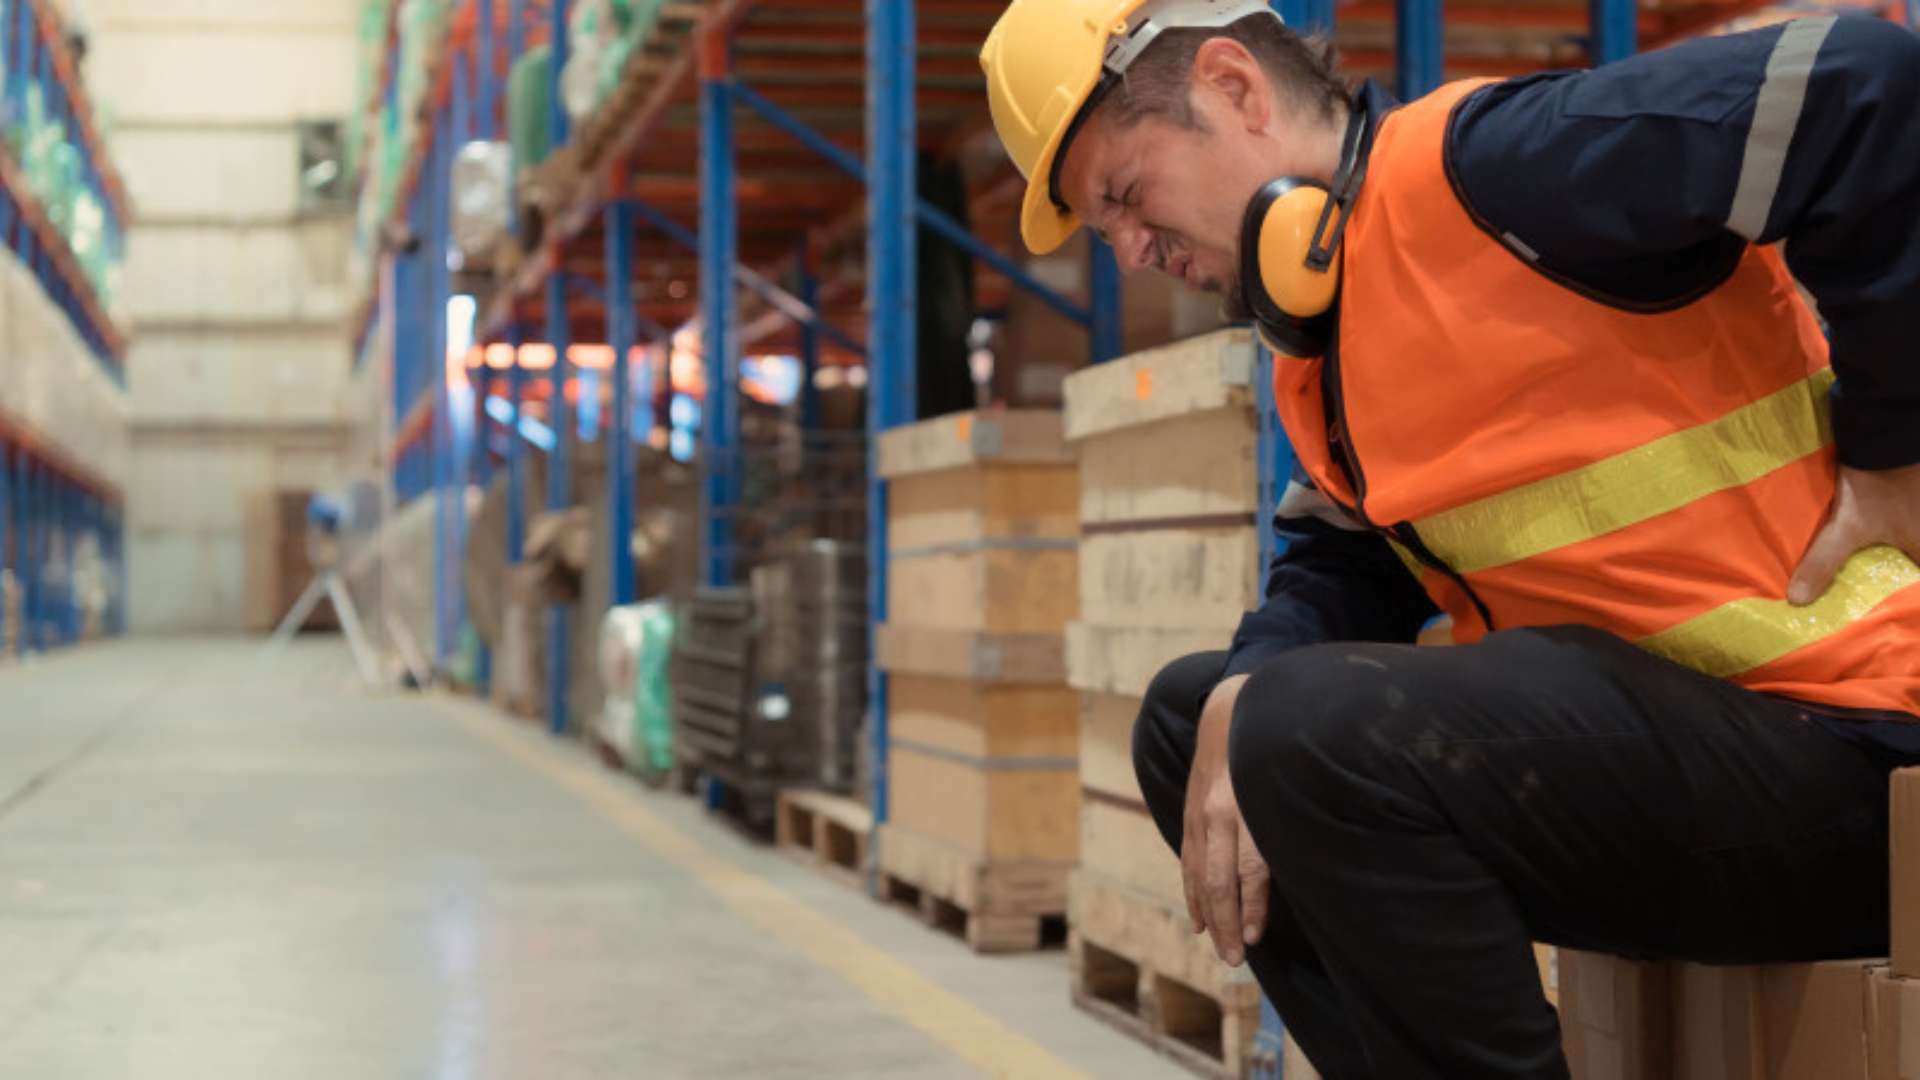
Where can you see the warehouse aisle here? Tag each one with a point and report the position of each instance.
(207, 869)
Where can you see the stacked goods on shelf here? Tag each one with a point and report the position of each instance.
(816, 631)
(1834, 1020)
(711, 677)
(50, 163)
(422, 30)
(50, 379)
(1169, 561)
(822, 634)
(745, 713)
(981, 829)
(622, 49)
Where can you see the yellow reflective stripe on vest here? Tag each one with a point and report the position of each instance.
(1740, 636)
(1637, 485)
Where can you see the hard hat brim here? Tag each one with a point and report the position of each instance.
(1042, 225)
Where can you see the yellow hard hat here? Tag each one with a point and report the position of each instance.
(1048, 60)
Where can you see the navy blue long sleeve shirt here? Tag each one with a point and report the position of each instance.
(1640, 184)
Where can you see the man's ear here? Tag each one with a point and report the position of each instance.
(1226, 71)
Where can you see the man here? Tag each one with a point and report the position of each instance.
(1571, 387)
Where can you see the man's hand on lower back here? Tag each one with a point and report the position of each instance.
(1224, 877)
(1869, 508)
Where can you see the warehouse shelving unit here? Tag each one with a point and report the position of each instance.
(49, 498)
(756, 138)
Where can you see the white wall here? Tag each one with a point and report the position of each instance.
(238, 302)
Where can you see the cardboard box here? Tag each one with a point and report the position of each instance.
(1815, 1018)
(1716, 1023)
(1905, 824)
(1615, 1017)
(1893, 1038)
(1774, 1022)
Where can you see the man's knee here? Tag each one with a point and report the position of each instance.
(1163, 732)
(1315, 721)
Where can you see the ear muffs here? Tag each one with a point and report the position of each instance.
(1290, 248)
(1290, 280)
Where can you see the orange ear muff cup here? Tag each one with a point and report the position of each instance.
(1286, 238)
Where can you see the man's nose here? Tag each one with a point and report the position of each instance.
(1133, 247)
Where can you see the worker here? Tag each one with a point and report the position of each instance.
(1547, 369)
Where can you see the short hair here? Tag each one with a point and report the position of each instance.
(1157, 83)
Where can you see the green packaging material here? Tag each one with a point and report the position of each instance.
(652, 692)
(530, 107)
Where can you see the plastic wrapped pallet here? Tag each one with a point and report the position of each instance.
(635, 642)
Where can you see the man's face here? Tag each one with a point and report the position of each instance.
(1157, 193)
(1173, 198)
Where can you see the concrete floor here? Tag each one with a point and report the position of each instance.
(210, 870)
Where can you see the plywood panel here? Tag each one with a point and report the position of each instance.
(957, 506)
(1007, 437)
(1199, 375)
(997, 814)
(1124, 660)
(1122, 844)
(1203, 465)
(982, 721)
(1167, 578)
(1011, 591)
(1106, 746)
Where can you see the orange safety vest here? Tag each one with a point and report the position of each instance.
(1541, 458)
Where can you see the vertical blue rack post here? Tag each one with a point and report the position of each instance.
(1616, 30)
(1419, 47)
(559, 487)
(434, 186)
(892, 300)
(560, 336)
(516, 453)
(719, 308)
(620, 335)
(1106, 340)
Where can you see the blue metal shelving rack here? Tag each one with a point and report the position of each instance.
(48, 501)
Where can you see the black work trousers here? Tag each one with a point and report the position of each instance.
(1426, 813)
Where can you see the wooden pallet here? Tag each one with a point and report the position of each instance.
(1136, 966)
(995, 907)
(825, 831)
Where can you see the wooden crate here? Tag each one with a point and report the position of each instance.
(1106, 747)
(983, 755)
(981, 526)
(1136, 965)
(825, 831)
(995, 906)
(990, 769)
(1168, 437)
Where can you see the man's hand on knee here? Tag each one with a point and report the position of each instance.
(1225, 878)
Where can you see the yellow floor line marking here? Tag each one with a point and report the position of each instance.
(955, 1023)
